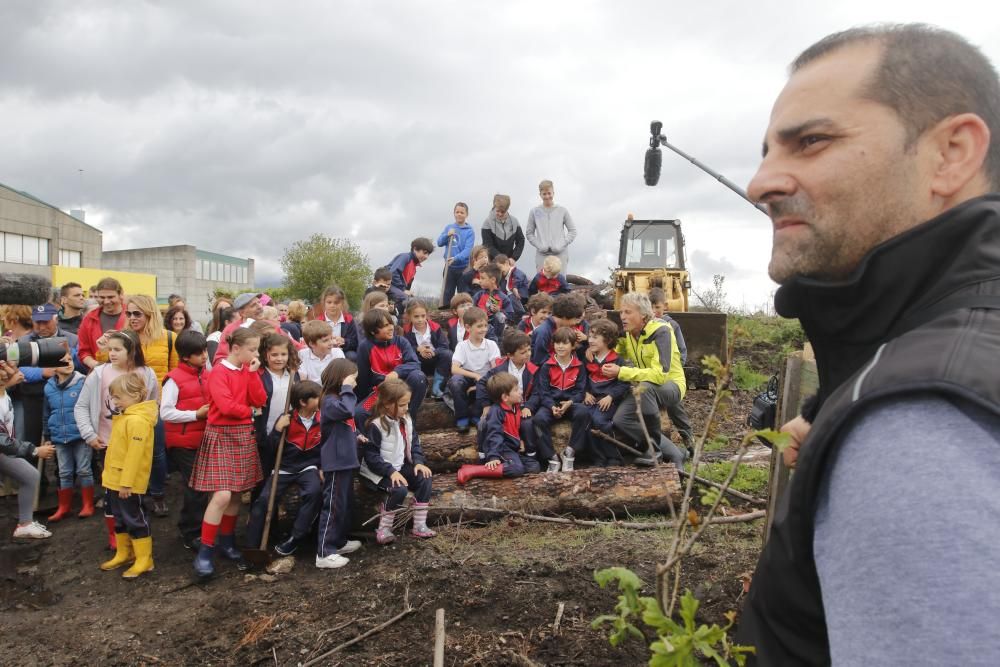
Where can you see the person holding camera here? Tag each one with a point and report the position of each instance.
(14, 455)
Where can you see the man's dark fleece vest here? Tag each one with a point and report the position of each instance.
(918, 316)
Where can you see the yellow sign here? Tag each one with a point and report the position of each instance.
(132, 283)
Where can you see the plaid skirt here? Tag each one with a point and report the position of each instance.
(227, 460)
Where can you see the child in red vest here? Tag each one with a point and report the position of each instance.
(603, 394)
(561, 383)
(549, 279)
(539, 309)
(184, 410)
(300, 464)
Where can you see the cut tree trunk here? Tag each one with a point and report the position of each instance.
(589, 493)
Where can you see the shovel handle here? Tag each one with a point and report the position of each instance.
(274, 474)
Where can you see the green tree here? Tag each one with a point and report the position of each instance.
(311, 265)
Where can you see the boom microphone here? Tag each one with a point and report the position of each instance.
(651, 170)
(23, 289)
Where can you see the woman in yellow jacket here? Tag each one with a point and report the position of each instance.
(127, 464)
(143, 317)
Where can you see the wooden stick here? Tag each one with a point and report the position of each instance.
(559, 615)
(277, 467)
(631, 525)
(407, 610)
(439, 638)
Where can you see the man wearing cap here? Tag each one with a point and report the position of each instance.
(248, 307)
(31, 392)
(109, 317)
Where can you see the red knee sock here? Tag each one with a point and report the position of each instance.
(208, 531)
(228, 524)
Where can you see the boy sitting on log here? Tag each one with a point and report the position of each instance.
(561, 383)
(603, 393)
(517, 348)
(508, 442)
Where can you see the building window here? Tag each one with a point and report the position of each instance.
(12, 248)
(197, 269)
(215, 270)
(228, 273)
(20, 249)
(71, 258)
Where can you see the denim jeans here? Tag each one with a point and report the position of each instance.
(74, 459)
(158, 474)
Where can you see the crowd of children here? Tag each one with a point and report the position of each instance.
(315, 402)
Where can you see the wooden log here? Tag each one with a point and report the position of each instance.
(446, 449)
(592, 492)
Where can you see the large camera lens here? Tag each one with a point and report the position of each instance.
(45, 352)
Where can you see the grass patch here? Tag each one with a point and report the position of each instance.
(749, 331)
(717, 443)
(749, 479)
(746, 378)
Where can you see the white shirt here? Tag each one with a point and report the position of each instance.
(168, 405)
(516, 372)
(311, 367)
(336, 326)
(460, 330)
(422, 338)
(480, 359)
(279, 392)
(7, 415)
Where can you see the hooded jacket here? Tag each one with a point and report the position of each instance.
(654, 355)
(550, 230)
(129, 456)
(58, 421)
(503, 236)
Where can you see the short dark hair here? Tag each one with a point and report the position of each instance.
(108, 284)
(925, 75)
(375, 319)
(493, 271)
(657, 295)
(422, 243)
(190, 343)
(500, 384)
(564, 335)
(64, 290)
(174, 298)
(303, 391)
(500, 258)
(169, 316)
(607, 330)
(567, 307)
(514, 340)
(382, 273)
(473, 315)
(227, 315)
(538, 301)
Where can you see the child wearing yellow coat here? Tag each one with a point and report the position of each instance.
(127, 464)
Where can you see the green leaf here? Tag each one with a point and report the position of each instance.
(777, 439)
(689, 607)
(627, 579)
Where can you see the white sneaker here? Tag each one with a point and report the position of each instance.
(553, 465)
(350, 547)
(33, 530)
(567, 460)
(330, 562)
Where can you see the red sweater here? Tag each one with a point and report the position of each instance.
(90, 331)
(232, 393)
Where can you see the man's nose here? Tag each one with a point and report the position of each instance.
(772, 181)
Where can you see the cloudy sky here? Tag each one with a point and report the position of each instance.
(243, 127)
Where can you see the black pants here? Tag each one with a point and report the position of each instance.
(195, 502)
(578, 414)
(335, 518)
(129, 515)
(451, 285)
(310, 493)
(421, 487)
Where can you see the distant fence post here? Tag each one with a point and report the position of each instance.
(797, 381)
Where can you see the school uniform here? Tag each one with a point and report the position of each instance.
(503, 430)
(376, 359)
(526, 326)
(395, 448)
(468, 282)
(300, 464)
(529, 397)
(555, 385)
(339, 460)
(276, 388)
(541, 341)
(311, 365)
(498, 308)
(478, 359)
(515, 284)
(552, 286)
(456, 333)
(227, 458)
(404, 269)
(437, 338)
(600, 386)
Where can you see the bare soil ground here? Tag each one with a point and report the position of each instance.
(500, 585)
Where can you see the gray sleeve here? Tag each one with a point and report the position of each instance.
(82, 410)
(570, 228)
(907, 539)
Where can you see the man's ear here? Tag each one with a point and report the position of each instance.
(959, 145)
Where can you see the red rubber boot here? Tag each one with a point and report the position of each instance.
(109, 521)
(87, 493)
(467, 472)
(65, 500)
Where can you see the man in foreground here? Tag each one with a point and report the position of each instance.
(879, 158)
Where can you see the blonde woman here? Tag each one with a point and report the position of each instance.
(143, 317)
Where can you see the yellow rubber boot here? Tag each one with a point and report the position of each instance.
(143, 557)
(123, 553)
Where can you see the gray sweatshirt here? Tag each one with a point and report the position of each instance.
(550, 230)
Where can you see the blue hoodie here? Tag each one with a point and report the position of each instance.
(465, 239)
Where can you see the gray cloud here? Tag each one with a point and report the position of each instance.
(242, 128)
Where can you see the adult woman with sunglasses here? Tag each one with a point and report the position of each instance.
(144, 318)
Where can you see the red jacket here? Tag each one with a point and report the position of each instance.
(192, 393)
(232, 393)
(90, 331)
